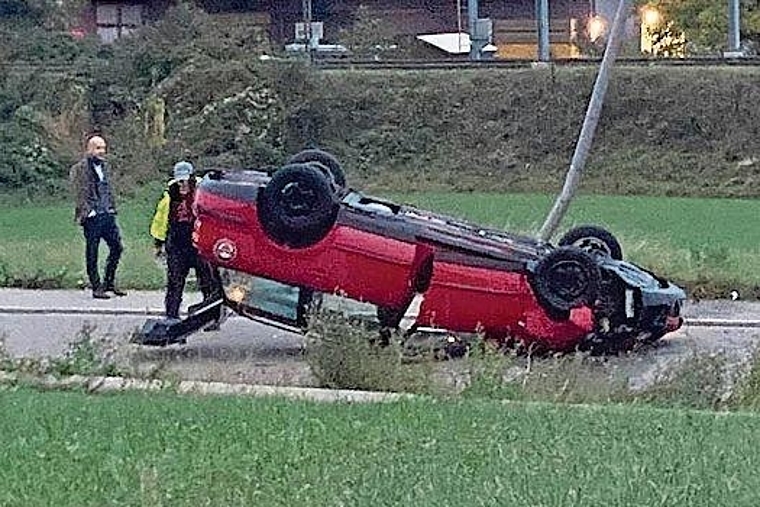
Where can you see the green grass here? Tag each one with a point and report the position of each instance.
(41, 242)
(688, 239)
(692, 240)
(68, 448)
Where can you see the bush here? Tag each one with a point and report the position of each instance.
(26, 161)
(342, 354)
(747, 392)
(697, 382)
(24, 41)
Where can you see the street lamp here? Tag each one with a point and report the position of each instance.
(596, 27)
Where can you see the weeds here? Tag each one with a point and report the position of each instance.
(747, 392)
(86, 355)
(489, 373)
(562, 378)
(38, 279)
(697, 382)
(341, 354)
(6, 361)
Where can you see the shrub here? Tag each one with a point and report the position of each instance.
(26, 160)
(747, 393)
(342, 354)
(700, 381)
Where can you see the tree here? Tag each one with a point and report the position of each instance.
(48, 14)
(704, 23)
(366, 36)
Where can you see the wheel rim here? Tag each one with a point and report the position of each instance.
(593, 245)
(569, 280)
(297, 200)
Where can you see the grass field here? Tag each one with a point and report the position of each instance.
(713, 242)
(42, 244)
(69, 448)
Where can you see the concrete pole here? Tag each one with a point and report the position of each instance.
(734, 27)
(542, 19)
(306, 16)
(590, 122)
(472, 16)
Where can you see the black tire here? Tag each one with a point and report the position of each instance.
(593, 239)
(566, 278)
(297, 208)
(327, 160)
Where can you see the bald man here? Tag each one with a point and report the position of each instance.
(95, 211)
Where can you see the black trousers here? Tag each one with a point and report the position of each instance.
(180, 257)
(102, 226)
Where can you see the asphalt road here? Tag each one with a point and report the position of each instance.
(45, 323)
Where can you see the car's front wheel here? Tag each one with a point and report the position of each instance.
(566, 278)
(298, 207)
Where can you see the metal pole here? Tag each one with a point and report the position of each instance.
(472, 16)
(459, 16)
(306, 6)
(734, 28)
(459, 25)
(590, 122)
(542, 17)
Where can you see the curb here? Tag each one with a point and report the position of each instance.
(119, 384)
(721, 323)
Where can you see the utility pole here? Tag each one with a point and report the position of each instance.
(594, 111)
(734, 29)
(472, 17)
(542, 20)
(306, 12)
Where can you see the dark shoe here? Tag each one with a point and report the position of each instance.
(100, 293)
(116, 292)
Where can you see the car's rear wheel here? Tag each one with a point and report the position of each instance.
(327, 161)
(593, 239)
(298, 207)
(566, 278)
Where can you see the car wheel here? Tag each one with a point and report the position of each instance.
(593, 239)
(323, 158)
(564, 279)
(297, 208)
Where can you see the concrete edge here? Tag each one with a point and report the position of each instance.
(704, 322)
(100, 384)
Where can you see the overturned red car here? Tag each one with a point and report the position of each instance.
(301, 226)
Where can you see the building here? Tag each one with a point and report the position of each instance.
(513, 21)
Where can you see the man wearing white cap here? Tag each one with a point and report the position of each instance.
(172, 230)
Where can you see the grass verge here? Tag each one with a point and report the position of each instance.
(68, 448)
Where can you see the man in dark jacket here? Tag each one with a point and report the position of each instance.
(172, 229)
(95, 211)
